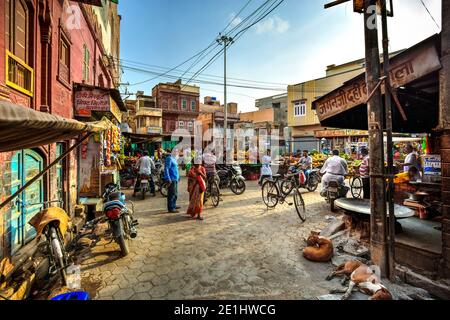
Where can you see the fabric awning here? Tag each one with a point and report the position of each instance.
(22, 127)
(143, 138)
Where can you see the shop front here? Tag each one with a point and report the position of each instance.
(99, 156)
(420, 243)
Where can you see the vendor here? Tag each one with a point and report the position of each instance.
(411, 159)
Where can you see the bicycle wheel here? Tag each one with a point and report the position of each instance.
(357, 188)
(215, 194)
(270, 194)
(286, 187)
(299, 205)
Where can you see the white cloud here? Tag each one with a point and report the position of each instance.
(235, 20)
(273, 24)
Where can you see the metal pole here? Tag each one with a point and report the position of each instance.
(225, 122)
(390, 144)
(378, 244)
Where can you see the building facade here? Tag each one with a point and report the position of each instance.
(148, 117)
(302, 119)
(47, 47)
(179, 104)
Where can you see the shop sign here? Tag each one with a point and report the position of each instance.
(154, 130)
(405, 68)
(87, 101)
(115, 110)
(432, 165)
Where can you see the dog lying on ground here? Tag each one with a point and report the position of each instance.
(318, 249)
(365, 280)
(345, 270)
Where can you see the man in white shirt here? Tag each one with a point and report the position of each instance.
(411, 159)
(335, 168)
(145, 165)
(266, 169)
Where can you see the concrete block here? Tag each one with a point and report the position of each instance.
(333, 228)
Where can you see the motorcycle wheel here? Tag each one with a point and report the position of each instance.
(60, 259)
(143, 193)
(124, 249)
(331, 202)
(313, 183)
(237, 186)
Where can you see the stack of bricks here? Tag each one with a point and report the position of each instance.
(445, 155)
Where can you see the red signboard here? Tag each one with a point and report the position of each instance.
(91, 100)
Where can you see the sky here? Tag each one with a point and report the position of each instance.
(293, 44)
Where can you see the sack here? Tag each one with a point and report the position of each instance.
(201, 183)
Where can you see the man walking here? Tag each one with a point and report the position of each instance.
(364, 172)
(172, 176)
(266, 169)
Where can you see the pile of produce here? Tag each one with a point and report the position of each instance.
(318, 160)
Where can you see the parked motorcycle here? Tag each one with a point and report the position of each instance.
(53, 223)
(308, 181)
(231, 177)
(120, 219)
(335, 191)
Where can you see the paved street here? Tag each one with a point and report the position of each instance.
(240, 251)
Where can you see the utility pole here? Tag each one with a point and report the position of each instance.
(390, 143)
(225, 41)
(378, 243)
(378, 217)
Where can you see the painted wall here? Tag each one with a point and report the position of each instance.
(259, 116)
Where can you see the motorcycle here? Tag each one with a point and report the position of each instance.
(120, 218)
(53, 223)
(335, 191)
(309, 181)
(231, 177)
(127, 179)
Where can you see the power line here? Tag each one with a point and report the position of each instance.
(426, 8)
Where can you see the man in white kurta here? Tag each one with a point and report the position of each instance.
(266, 169)
(335, 168)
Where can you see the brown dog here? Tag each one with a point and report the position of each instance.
(345, 270)
(366, 281)
(319, 249)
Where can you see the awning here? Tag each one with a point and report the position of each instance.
(414, 74)
(143, 138)
(22, 127)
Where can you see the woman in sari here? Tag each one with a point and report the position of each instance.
(196, 194)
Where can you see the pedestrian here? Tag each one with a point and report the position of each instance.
(210, 160)
(172, 177)
(196, 189)
(266, 169)
(364, 172)
(145, 165)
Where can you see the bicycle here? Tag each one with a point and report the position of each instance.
(356, 187)
(272, 195)
(212, 191)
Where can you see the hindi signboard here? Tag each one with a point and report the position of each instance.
(405, 68)
(87, 101)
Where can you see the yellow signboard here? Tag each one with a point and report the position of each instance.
(115, 110)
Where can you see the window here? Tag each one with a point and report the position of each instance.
(19, 74)
(64, 59)
(174, 104)
(193, 105)
(300, 109)
(184, 104)
(86, 63)
(190, 125)
(181, 125)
